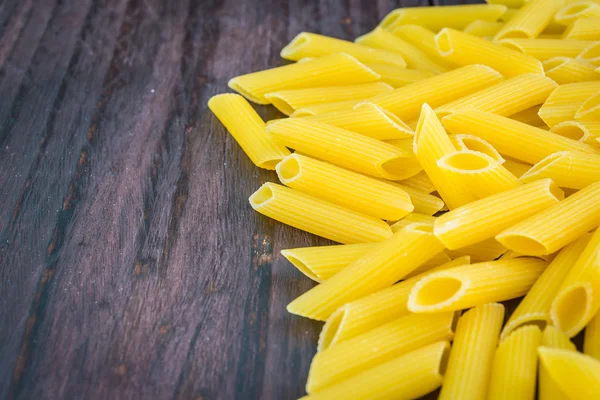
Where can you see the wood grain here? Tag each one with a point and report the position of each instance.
(131, 265)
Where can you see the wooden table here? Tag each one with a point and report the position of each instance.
(131, 263)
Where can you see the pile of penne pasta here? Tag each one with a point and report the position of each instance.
(454, 152)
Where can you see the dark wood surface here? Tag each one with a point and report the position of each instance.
(131, 265)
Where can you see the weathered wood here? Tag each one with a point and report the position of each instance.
(131, 265)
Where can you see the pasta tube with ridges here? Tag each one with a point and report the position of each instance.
(547, 387)
(530, 20)
(481, 28)
(583, 29)
(581, 9)
(591, 342)
(475, 143)
(583, 131)
(570, 70)
(516, 167)
(424, 40)
(398, 77)
(565, 100)
(388, 262)
(470, 363)
(568, 169)
(419, 182)
(590, 109)
(423, 202)
(584, 369)
(486, 250)
(324, 108)
(545, 49)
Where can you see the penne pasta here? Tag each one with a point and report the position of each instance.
(514, 371)
(325, 108)
(474, 143)
(481, 175)
(590, 109)
(500, 99)
(482, 29)
(485, 218)
(577, 300)
(419, 182)
(248, 129)
(436, 18)
(431, 144)
(580, 9)
(470, 363)
(424, 40)
(343, 187)
(336, 69)
(529, 116)
(565, 100)
(513, 9)
(382, 344)
(512, 138)
(530, 20)
(436, 261)
(583, 131)
(569, 70)
(423, 202)
(545, 49)
(387, 263)
(591, 342)
(583, 372)
(583, 29)
(548, 388)
(467, 286)
(486, 250)
(556, 226)
(535, 307)
(406, 102)
(415, 58)
(344, 148)
(320, 263)
(463, 49)
(398, 77)
(568, 169)
(409, 376)
(316, 216)
(591, 54)
(366, 119)
(412, 218)
(288, 101)
(307, 44)
(516, 167)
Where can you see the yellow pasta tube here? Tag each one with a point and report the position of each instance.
(569, 70)
(343, 187)
(535, 307)
(313, 45)
(423, 202)
(482, 175)
(474, 143)
(514, 371)
(590, 109)
(412, 218)
(512, 138)
(572, 12)
(431, 144)
(320, 263)
(530, 20)
(548, 388)
(576, 374)
(578, 301)
(345, 148)
(436, 18)
(424, 39)
(529, 116)
(583, 29)
(324, 108)
(485, 218)
(591, 54)
(248, 129)
(409, 376)
(288, 101)
(436, 261)
(415, 58)
(486, 250)
(348, 358)
(406, 101)
(482, 29)
(513, 9)
(470, 363)
(583, 131)
(500, 99)
(568, 169)
(387, 263)
(565, 100)
(463, 49)
(591, 342)
(316, 216)
(419, 182)
(366, 119)
(556, 226)
(333, 70)
(471, 285)
(398, 77)
(516, 167)
(544, 49)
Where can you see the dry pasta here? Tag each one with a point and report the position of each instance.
(530, 20)
(565, 100)
(424, 39)
(583, 131)
(582, 372)
(548, 388)
(474, 143)
(583, 29)
(483, 28)
(581, 9)
(569, 70)
(324, 108)
(590, 109)
(544, 49)
(568, 169)
(591, 342)
(398, 77)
